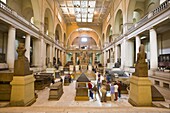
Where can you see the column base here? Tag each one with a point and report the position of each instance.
(22, 93)
(140, 91)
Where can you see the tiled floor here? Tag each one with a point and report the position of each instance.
(67, 104)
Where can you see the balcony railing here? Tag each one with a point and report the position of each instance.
(161, 7)
(142, 21)
(8, 10)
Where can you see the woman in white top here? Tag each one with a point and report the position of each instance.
(116, 90)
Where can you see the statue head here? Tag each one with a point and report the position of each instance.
(142, 48)
(21, 50)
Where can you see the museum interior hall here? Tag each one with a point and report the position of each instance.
(84, 56)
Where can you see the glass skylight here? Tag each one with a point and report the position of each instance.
(82, 9)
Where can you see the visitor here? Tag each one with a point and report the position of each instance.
(72, 77)
(95, 90)
(119, 83)
(90, 90)
(112, 92)
(54, 61)
(98, 83)
(104, 92)
(116, 90)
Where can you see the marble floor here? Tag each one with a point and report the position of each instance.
(67, 104)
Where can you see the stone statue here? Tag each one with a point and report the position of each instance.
(141, 68)
(21, 65)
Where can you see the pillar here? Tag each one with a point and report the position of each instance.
(51, 53)
(153, 49)
(129, 53)
(123, 54)
(116, 53)
(27, 46)
(11, 49)
(138, 43)
(93, 63)
(44, 52)
(74, 57)
(36, 52)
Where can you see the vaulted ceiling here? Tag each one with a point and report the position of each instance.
(85, 11)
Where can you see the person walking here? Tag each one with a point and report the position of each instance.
(119, 83)
(116, 90)
(112, 92)
(90, 90)
(104, 92)
(95, 90)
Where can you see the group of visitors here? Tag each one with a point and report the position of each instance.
(105, 87)
(115, 90)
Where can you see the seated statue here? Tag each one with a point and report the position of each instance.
(21, 65)
(141, 68)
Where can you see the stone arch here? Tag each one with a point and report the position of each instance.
(131, 8)
(69, 40)
(36, 12)
(48, 23)
(58, 33)
(137, 15)
(109, 33)
(119, 22)
(27, 10)
(151, 6)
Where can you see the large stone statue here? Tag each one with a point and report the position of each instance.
(141, 68)
(21, 65)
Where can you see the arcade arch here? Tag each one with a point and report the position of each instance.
(48, 23)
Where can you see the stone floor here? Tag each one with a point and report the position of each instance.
(67, 104)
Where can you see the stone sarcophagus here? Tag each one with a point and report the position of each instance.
(5, 86)
(56, 91)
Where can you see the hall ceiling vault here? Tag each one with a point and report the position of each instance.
(84, 11)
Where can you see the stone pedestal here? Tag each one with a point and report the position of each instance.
(140, 91)
(81, 92)
(22, 93)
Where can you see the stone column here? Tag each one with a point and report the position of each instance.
(62, 57)
(153, 50)
(27, 46)
(51, 53)
(74, 57)
(36, 52)
(129, 53)
(102, 58)
(116, 53)
(138, 43)
(44, 54)
(56, 55)
(123, 54)
(11, 49)
(93, 63)
(105, 58)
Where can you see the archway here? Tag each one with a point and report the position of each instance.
(48, 23)
(119, 22)
(109, 33)
(58, 33)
